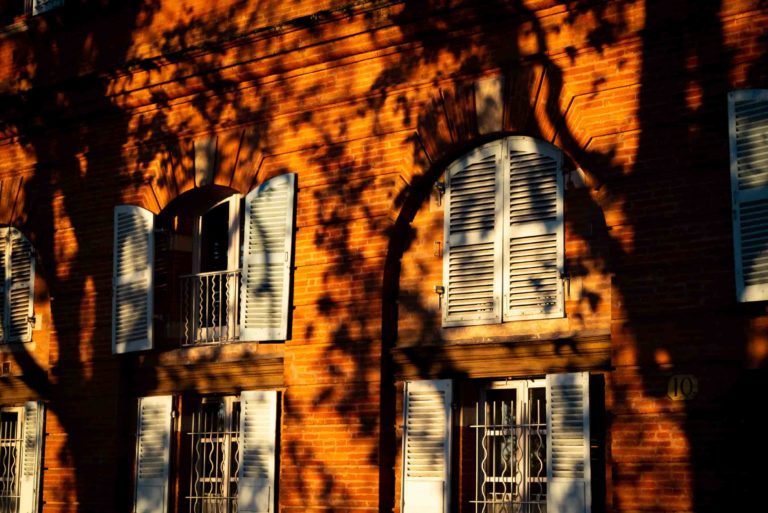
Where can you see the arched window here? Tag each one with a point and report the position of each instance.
(504, 233)
(239, 285)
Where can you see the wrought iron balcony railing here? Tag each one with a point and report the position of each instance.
(209, 307)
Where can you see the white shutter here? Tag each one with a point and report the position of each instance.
(41, 6)
(472, 261)
(153, 454)
(5, 275)
(268, 247)
(426, 447)
(32, 451)
(533, 239)
(568, 467)
(258, 424)
(132, 279)
(748, 127)
(20, 281)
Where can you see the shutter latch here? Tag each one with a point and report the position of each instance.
(440, 191)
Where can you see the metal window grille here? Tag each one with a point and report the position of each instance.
(510, 457)
(10, 458)
(215, 457)
(210, 307)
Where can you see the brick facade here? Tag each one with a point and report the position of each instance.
(368, 102)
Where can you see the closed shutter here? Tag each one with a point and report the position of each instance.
(132, 279)
(32, 451)
(472, 270)
(568, 466)
(533, 240)
(268, 247)
(748, 126)
(153, 454)
(426, 447)
(258, 423)
(21, 283)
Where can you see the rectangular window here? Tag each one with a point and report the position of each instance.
(10, 458)
(525, 446)
(214, 456)
(511, 448)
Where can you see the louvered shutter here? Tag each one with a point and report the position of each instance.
(472, 261)
(268, 247)
(533, 238)
(568, 467)
(153, 454)
(132, 279)
(4, 278)
(426, 447)
(21, 283)
(258, 423)
(32, 451)
(748, 126)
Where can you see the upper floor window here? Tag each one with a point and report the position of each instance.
(17, 284)
(237, 284)
(748, 127)
(10, 10)
(504, 234)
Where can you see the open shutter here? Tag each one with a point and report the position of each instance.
(426, 447)
(21, 283)
(472, 260)
(533, 240)
(132, 279)
(268, 247)
(258, 423)
(153, 454)
(568, 468)
(4, 279)
(32, 457)
(40, 6)
(748, 126)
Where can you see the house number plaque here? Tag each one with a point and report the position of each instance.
(682, 387)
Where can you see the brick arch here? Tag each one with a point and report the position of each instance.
(231, 159)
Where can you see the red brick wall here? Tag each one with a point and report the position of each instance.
(367, 102)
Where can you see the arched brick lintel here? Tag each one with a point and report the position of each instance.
(230, 159)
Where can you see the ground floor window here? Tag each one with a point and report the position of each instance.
(207, 454)
(214, 442)
(21, 447)
(511, 448)
(10, 458)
